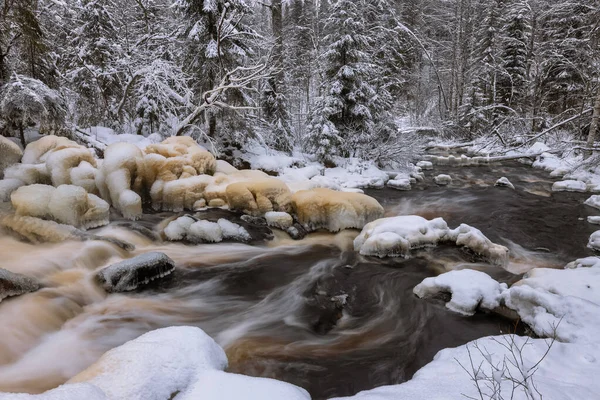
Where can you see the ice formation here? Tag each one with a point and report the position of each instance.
(257, 197)
(594, 220)
(569, 186)
(135, 272)
(400, 183)
(425, 165)
(13, 284)
(10, 153)
(397, 236)
(121, 177)
(593, 201)
(331, 210)
(504, 182)
(470, 289)
(594, 242)
(65, 204)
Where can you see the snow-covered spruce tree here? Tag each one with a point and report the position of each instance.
(25, 100)
(96, 61)
(216, 40)
(343, 120)
(516, 38)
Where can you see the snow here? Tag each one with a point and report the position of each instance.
(177, 230)
(470, 289)
(504, 182)
(205, 231)
(594, 220)
(569, 186)
(443, 179)
(109, 136)
(74, 391)
(280, 220)
(593, 201)
(577, 282)
(594, 242)
(587, 262)
(398, 236)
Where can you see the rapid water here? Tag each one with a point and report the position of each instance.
(310, 312)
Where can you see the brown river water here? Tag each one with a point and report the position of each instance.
(309, 312)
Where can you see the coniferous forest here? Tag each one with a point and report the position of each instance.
(328, 77)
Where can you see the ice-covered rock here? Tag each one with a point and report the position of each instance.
(10, 153)
(504, 182)
(425, 165)
(398, 236)
(569, 186)
(593, 201)
(177, 230)
(13, 284)
(399, 184)
(135, 272)
(594, 242)
(443, 179)
(257, 197)
(279, 220)
(66, 204)
(470, 289)
(334, 211)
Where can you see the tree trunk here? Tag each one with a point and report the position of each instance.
(593, 125)
(22, 134)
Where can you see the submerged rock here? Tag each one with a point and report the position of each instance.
(135, 272)
(13, 284)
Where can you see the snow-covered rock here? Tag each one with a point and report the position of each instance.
(13, 284)
(470, 289)
(587, 262)
(425, 165)
(593, 201)
(398, 236)
(594, 220)
(279, 220)
(135, 272)
(443, 179)
(334, 211)
(594, 242)
(504, 182)
(66, 204)
(203, 231)
(10, 153)
(73, 391)
(569, 186)
(399, 184)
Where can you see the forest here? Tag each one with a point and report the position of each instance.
(361, 78)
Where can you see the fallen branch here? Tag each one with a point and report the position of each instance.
(449, 146)
(89, 141)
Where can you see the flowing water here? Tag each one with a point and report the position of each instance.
(310, 312)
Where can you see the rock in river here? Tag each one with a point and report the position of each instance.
(138, 271)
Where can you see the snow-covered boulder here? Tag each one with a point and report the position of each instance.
(569, 186)
(443, 179)
(594, 220)
(279, 220)
(398, 236)
(425, 165)
(470, 289)
(66, 204)
(504, 182)
(121, 177)
(256, 197)
(587, 262)
(135, 272)
(37, 152)
(322, 208)
(182, 157)
(594, 242)
(13, 284)
(190, 229)
(399, 183)
(593, 201)
(10, 153)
